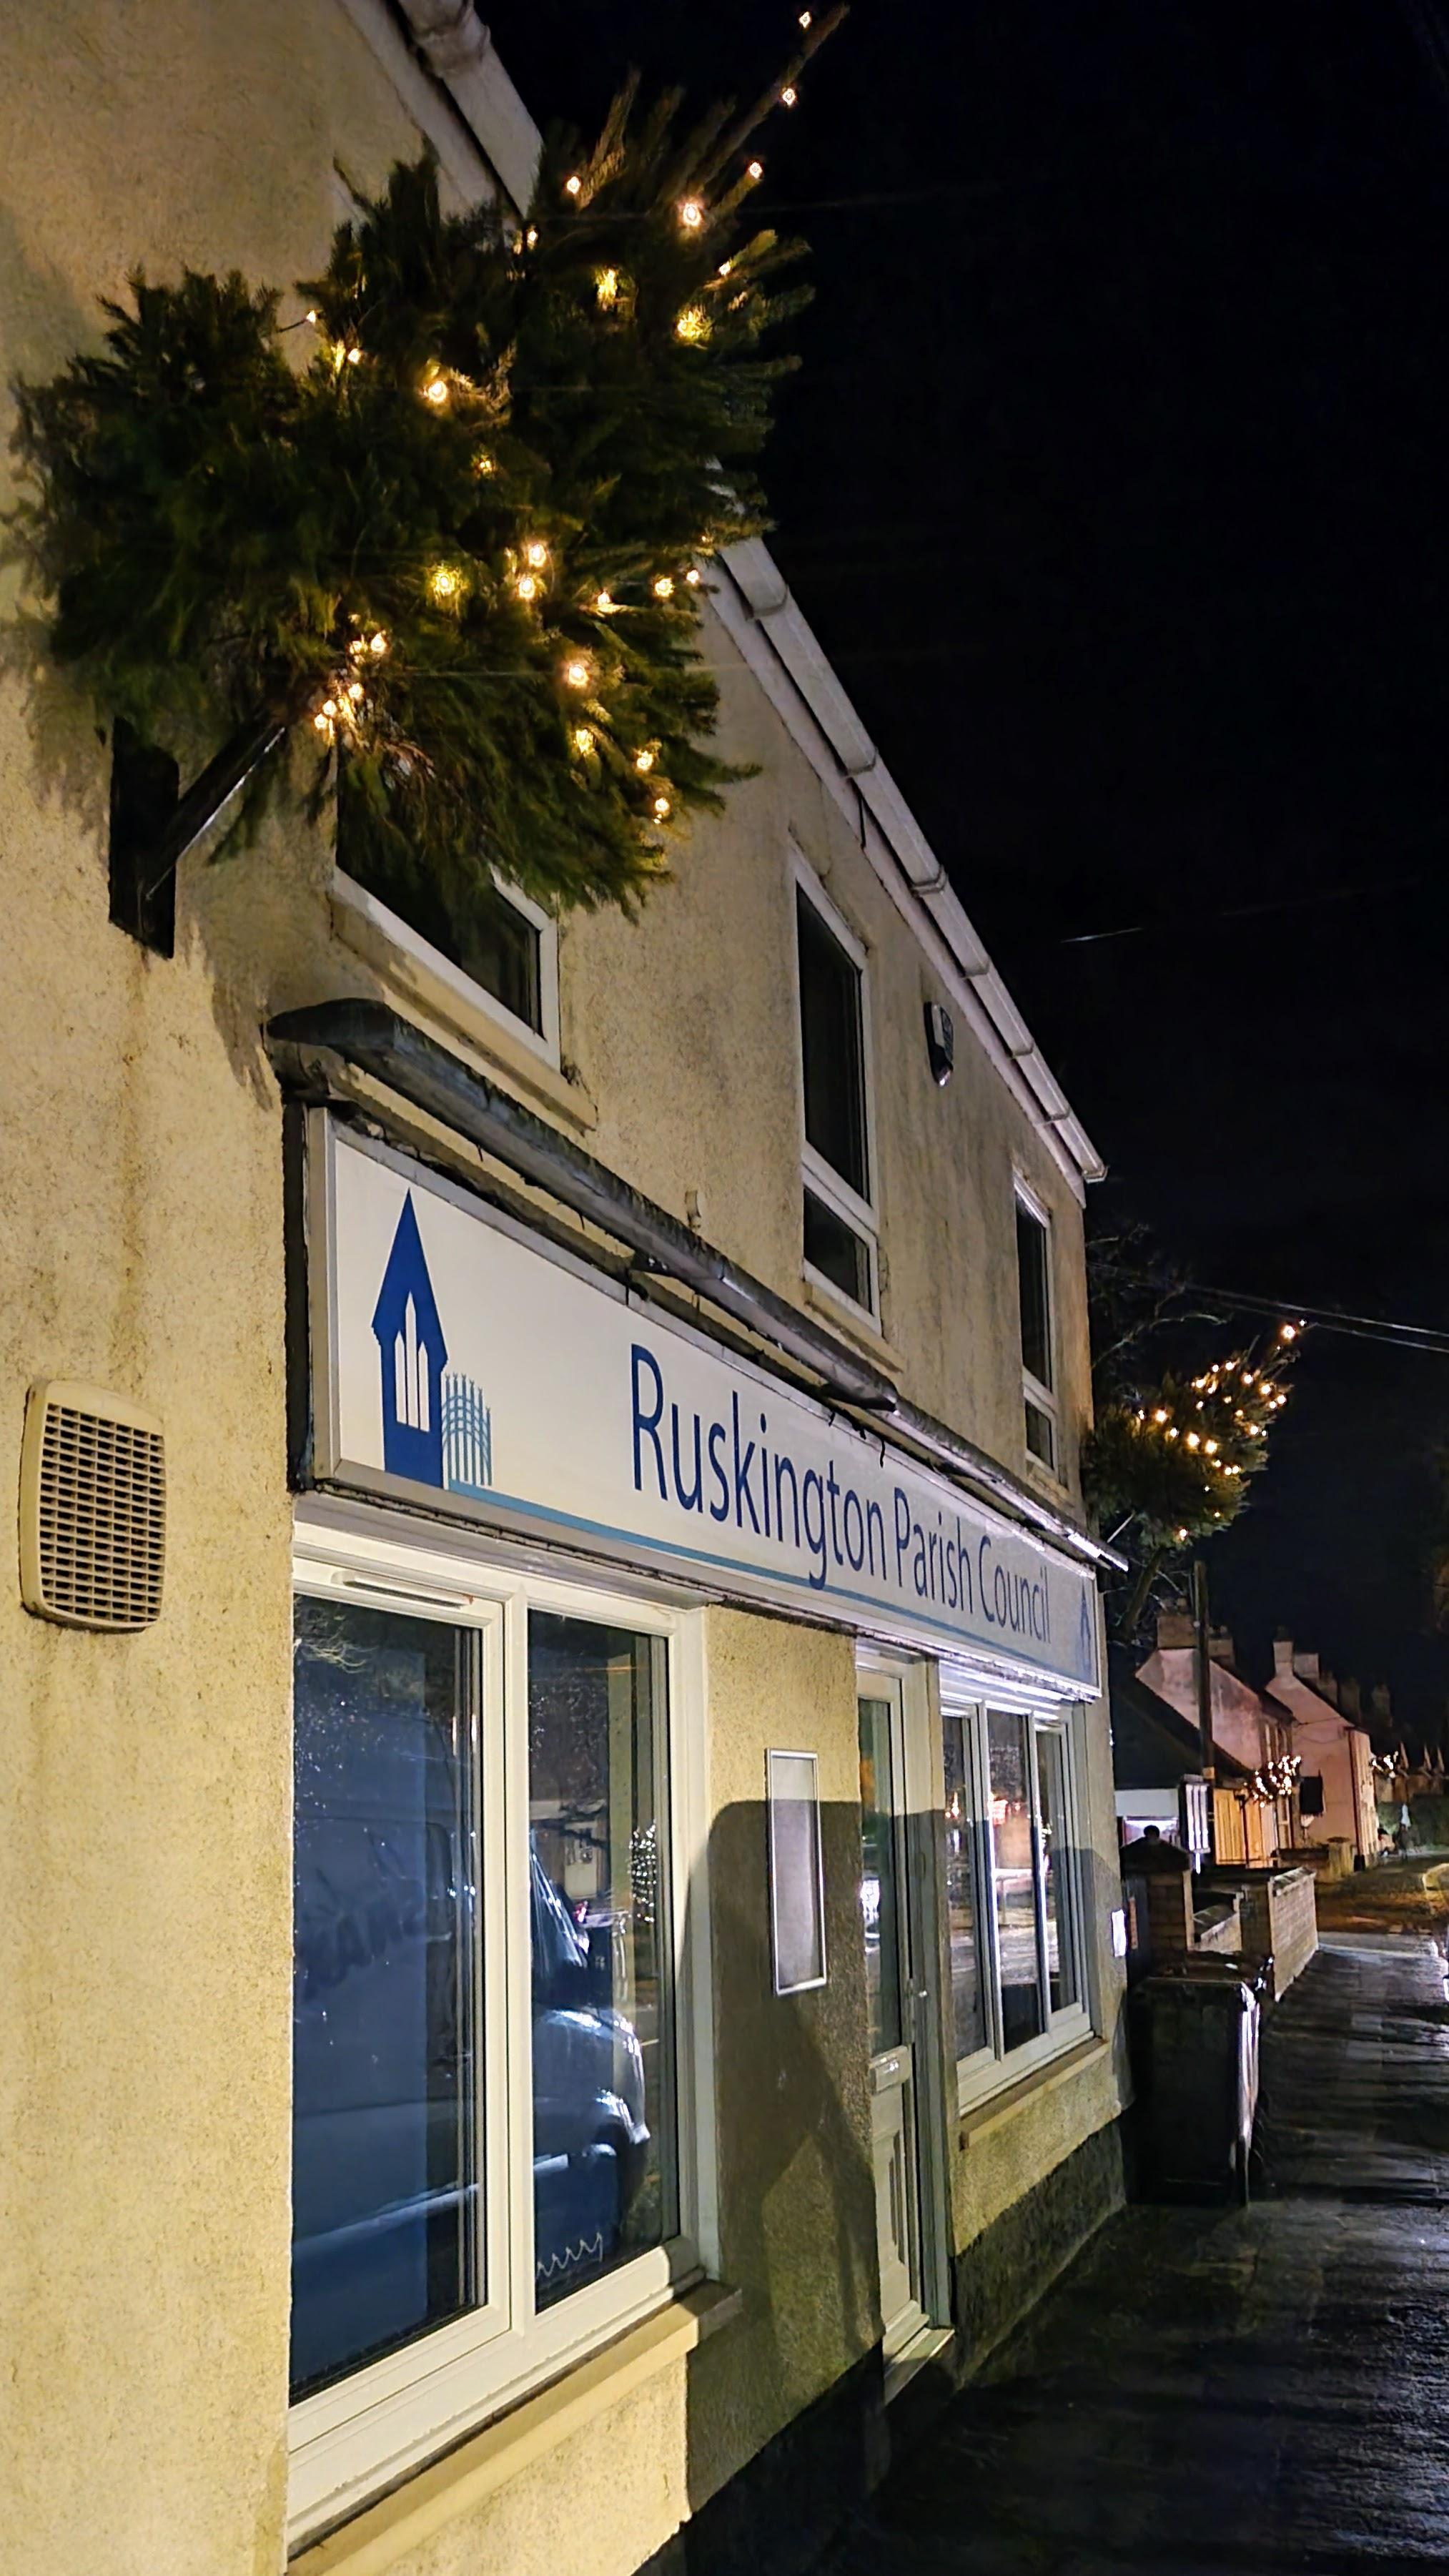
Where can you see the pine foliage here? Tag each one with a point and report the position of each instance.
(1176, 1458)
(460, 543)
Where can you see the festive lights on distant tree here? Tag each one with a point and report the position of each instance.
(482, 498)
(1177, 1460)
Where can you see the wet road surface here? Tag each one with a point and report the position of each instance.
(1232, 2392)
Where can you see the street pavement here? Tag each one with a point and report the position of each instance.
(1230, 2392)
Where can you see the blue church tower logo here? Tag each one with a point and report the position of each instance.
(436, 1427)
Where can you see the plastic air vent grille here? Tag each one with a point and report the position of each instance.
(92, 1509)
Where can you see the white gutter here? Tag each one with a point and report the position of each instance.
(485, 138)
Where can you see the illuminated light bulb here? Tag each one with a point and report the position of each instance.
(572, 185)
(1211, 1447)
(724, 267)
(664, 586)
(377, 643)
(692, 576)
(603, 605)
(583, 739)
(606, 286)
(804, 18)
(526, 586)
(536, 553)
(693, 324)
(1182, 1534)
(1172, 1435)
(483, 462)
(443, 582)
(788, 97)
(644, 760)
(756, 170)
(691, 214)
(1160, 1415)
(576, 674)
(329, 706)
(354, 357)
(1287, 1332)
(435, 391)
(311, 312)
(1193, 1441)
(661, 807)
(321, 723)
(1247, 1380)
(356, 692)
(531, 236)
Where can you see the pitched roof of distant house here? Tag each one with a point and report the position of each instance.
(1153, 1746)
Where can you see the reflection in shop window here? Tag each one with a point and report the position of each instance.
(1014, 1879)
(603, 2078)
(968, 1997)
(1063, 1982)
(385, 2155)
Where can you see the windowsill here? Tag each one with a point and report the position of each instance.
(428, 983)
(834, 1307)
(984, 2113)
(379, 2535)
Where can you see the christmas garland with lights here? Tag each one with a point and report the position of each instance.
(460, 550)
(1177, 1459)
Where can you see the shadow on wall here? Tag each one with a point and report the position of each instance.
(799, 2371)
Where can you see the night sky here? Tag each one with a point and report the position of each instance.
(1114, 483)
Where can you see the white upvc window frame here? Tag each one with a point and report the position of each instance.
(399, 934)
(816, 1175)
(360, 2435)
(1033, 1391)
(993, 2068)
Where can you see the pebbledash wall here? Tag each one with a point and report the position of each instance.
(146, 1782)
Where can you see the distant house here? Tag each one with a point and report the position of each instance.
(1248, 1735)
(1334, 1753)
(1157, 1770)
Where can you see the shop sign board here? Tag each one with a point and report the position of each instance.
(457, 1355)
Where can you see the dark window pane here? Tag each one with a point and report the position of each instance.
(830, 1041)
(879, 1894)
(1062, 1979)
(1013, 1850)
(1031, 1264)
(486, 935)
(383, 2152)
(967, 1999)
(835, 1249)
(1040, 1434)
(603, 2004)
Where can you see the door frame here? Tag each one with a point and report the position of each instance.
(923, 1794)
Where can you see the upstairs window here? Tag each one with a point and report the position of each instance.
(1038, 1373)
(839, 1225)
(499, 943)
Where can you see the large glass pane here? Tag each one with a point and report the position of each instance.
(830, 1043)
(1051, 1771)
(879, 1892)
(1031, 1263)
(835, 1249)
(1013, 1848)
(475, 926)
(603, 2001)
(968, 2000)
(384, 2157)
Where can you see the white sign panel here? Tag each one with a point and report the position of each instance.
(462, 1358)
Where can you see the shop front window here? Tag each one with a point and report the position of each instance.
(486, 2148)
(602, 2082)
(1014, 1888)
